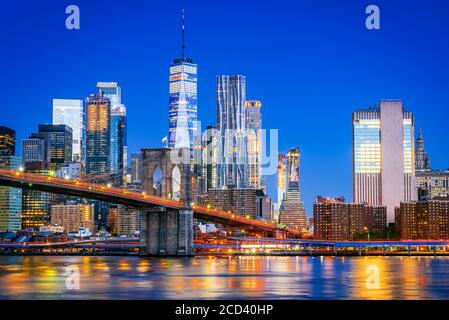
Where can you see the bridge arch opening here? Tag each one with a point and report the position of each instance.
(176, 183)
(157, 182)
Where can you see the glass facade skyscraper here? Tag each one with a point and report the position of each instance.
(59, 138)
(231, 122)
(383, 156)
(36, 204)
(182, 111)
(71, 113)
(7, 141)
(98, 133)
(10, 198)
(118, 129)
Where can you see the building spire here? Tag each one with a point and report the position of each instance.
(183, 45)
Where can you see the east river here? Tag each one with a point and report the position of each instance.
(210, 277)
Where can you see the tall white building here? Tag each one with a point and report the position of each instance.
(383, 156)
(254, 125)
(71, 113)
(231, 122)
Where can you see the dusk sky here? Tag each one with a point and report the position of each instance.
(311, 63)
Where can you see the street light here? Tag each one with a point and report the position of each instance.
(367, 230)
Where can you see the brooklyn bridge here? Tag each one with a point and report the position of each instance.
(167, 226)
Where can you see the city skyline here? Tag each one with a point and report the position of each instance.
(323, 169)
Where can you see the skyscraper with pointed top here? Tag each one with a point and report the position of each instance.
(182, 111)
(422, 161)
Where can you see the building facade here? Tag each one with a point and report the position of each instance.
(422, 160)
(35, 148)
(10, 198)
(98, 132)
(59, 140)
(254, 125)
(241, 201)
(182, 110)
(123, 221)
(333, 219)
(424, 219)
(231, 123)
(7, 141)
(70, 112)
(432, 184)
(36, 204)
(383, 156)
(73, 216)
(118, 129)
(292, 212)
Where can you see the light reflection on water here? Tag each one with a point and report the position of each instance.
(225, 278)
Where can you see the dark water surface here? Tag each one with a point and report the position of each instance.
(224, 278)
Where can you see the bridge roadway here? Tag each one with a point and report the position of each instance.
(78, 188)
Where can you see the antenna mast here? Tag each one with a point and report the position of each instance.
(183, 45)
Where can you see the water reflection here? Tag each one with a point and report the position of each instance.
(245, 277)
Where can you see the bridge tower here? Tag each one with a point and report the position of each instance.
(165, 231)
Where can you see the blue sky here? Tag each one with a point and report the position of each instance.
(311, 62)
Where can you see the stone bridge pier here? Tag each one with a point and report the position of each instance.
(166, 231)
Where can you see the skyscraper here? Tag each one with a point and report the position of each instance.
(35, 148)
(292, 212)
(182, 113)
(7, 141)
(36, 204)
(383, 156)
(98, 133)
(282, 176)
(422, 161)
(59, 139)
(231, 122)
(118, 148)
(71, 113)
(10, 198)
(254, 124)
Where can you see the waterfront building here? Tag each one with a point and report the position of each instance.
(123, 221)
(7, 141)
(118, 130)
(423, 219)
(10, 198)
(98, 131)
(59, 140)
(73, 216)
(70, 112)
(254, 125)
(231, 123)
(36, 204)
(182, 112)
(292, 212)
(383, 156)
(334, 219)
